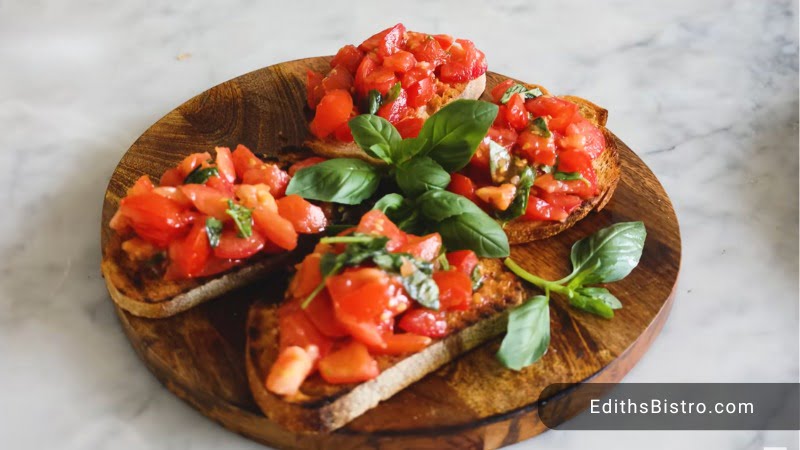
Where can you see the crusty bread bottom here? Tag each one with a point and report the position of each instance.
(321, 407)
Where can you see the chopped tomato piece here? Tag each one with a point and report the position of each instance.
(387, 42)
(549, 184)
(420, 93)
(308, 162)
(307, 278)
(503, 136)
(172, 177)
(498, 196)
(207, 200)
(566, 202)
(154, 218)
(174, 194)
(573, 161)
(224, 163)
(361, 300)
(297, 329)
(375, 222)
(455, 289)
(292, 367)
(305, 217)
(445, 40)
(424, 322)
(189, 255)
(516, 114)
(426, 48)
(320, 312)
(350, 364)
(562, 112)
(539, 209)
(400, 344)
(142, 185)
(338, 78)
(409, 127)
(343, 133)
(415, 75)
(256, 196)
(268, 174)
(537, 149)
(349, 57)
(216, 265)
(231, 246)
(422, 247)
(221, 185)
(380, 79)
(244, 160)
(395, 110)
(332, 111)
(463, 260)
(401, 61)
(193, 161)
(594, 141)
(314, 89)
(461, 185)
(465, 66)
(275, 228)
(499, 90)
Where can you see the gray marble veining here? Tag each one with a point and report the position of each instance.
(705, 91)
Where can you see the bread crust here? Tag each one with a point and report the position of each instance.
(322, 407)
(331, 148)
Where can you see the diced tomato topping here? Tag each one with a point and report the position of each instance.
(420, 93)
(461, 185)
(224, 164)
(189, 255)
(207, 200)
(500, 90)
(498, 196)
(231, 246)
(395, 110)
(297, 329)
(292, 367)
(314, 89)
(275, 228)
(573, 161)
(380, 79)
(349, 57)
(422, 247)
(445, 40)
(193, 161)
(539, 209)
(463, 260)
(343, 133)
(415, 75)
(561, 112)
(172, 177)
(566, 202)
(268, 174)
(154, 218)
(221, 185)
(401, 344)
(409, 127)
(455, 289)
(338, 78)
(400, 62)
(142, 185)
(350, 364)
(516, 114)
(547, 183)
(216, 265)
(361, 299)
(256, 196)
(308, 162)
(537, 149)
(427, 48)
(594, 142)
(305, 217)
(375, 222)
(244, 160)
(321, 313)
(307, 278)
(386, 42)
(332, 111)
(424, 322)
(463, 65)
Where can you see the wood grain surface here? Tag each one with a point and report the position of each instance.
(470, 403)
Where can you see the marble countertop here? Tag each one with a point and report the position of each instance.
(705, 90)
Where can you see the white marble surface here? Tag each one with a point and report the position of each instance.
(705, 91)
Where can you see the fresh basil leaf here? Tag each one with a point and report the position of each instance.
(474, 231)
(499, 161)
(393, 93)
(340, 180)
(528, 334)
(454, 132)
(381, 151)
(520, 89)
(389, 202)
(592, 305)
(419, 175)
(242, 217)
(440, 205)
(368, 130)
(213, 231)
(372, 102)
(401, 211)
(476, 277)
(520, 202)
(567, 176)
(419, 285)
(608, 255)
(200, 175)
(601, 294)
(539, 127)
(407, 149)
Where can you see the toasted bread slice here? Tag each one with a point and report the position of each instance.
(331, 148)
(607, 167)
(323, 407)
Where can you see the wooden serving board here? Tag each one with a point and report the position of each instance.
(470, 403)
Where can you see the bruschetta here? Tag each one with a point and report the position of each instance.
(545, 163)
(402, 76)
(367, 314)
(209, 226)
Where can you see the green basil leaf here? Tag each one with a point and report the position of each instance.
(389, 202)
(520, 202)
(608, 255)
(440, 205)
(528, 334)
(368, 130)
(372, 102)
(419, 175)
(213, 231)
(592, 305)
(401, 211)
(567, 176)
(454, 132)
(474, 231)
(393, 93)
(407, 149)
(499, 161)
(422, 289)
(242, 217)
(200, 175)
(520, 89)
(476, 277)
(341, 180)
(381, 151)
(539, 127)
(601, 294)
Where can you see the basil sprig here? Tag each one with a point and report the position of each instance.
(419, 284)
(342, 180)
(520, 202)
(520, 89)
(242, 217)
(200, 175)
(213, 231)
(607, 256)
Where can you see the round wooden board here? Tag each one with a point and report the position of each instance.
(470, 403)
